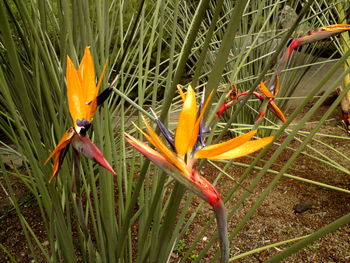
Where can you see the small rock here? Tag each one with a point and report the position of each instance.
(302, 207)
(286, 17)
(45, 243)
(11, 160)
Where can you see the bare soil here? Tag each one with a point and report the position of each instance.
(276, 219)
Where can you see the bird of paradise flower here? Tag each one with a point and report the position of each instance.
(83, 100)
(187, 147)
(271, 91)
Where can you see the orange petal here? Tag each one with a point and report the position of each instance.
(245, 149)
(74, 92)
(262, 88)
(192, 181)
(158, 159)
(101, 76)
(145, 149)
(87, 77)
(217, 149)
(185, 128)
(198, 122)
(274, 108)
(149, 139)
(181, 93)
(66, 139)
(56, 166)
(167, 153)
(277, 85)
(93, 103)
(58, 151)
(338, 27)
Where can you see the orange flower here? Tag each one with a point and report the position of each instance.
(82, 90)
(272, 105)
(83, 100)
(188, 149)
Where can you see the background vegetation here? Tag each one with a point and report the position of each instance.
(151, 46)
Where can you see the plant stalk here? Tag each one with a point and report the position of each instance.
(221, 221)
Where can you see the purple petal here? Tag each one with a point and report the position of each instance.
(166, 133)
(103, 96)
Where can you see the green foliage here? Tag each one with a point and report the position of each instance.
(180, 247)
(151, 47)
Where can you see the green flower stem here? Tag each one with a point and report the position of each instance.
(168, 226)
(221, 220)
(78, 207)
(262, 110)
(130, 206)
(133, 103)
(154, 204)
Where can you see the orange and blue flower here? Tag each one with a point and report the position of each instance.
(187, 146)
(83, 100)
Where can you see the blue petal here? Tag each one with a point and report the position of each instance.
(202, 129)
(103, 96)
(166, 133)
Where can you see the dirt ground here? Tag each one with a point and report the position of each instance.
(276, 220)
